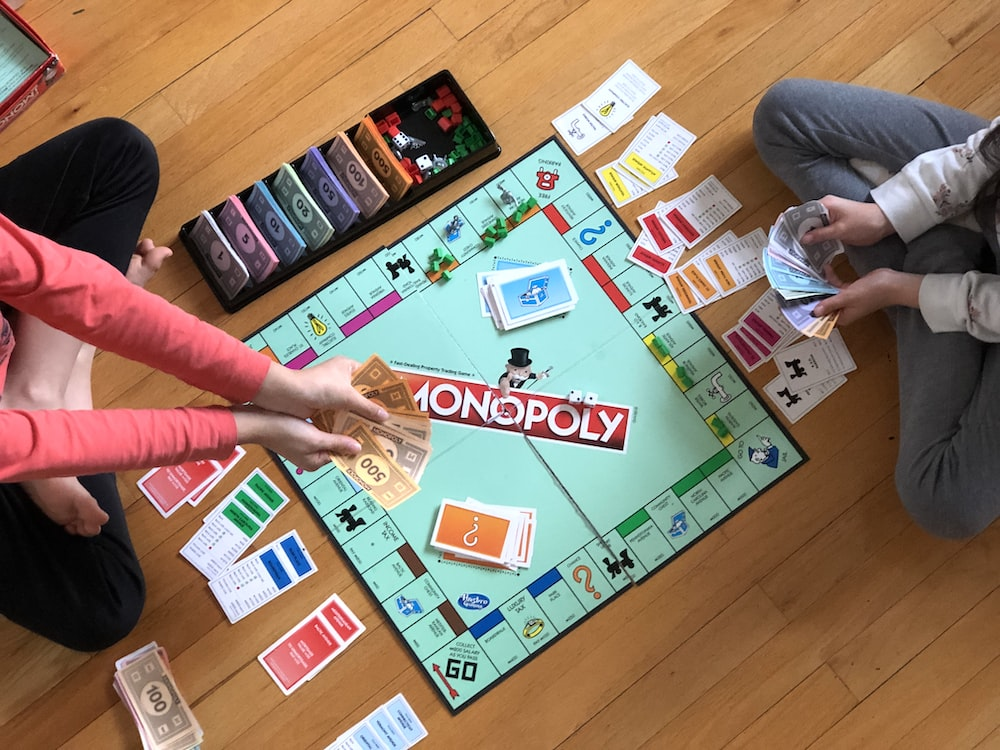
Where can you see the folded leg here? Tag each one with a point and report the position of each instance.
(808, 133)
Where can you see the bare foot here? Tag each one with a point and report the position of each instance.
(146, 261)
(67, 503)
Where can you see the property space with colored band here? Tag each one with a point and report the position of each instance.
(667, 443)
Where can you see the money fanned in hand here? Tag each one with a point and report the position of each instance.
(410, 453)
(795, 271)
(373, 373)
(394, 453)
(146, 686)
(375, 471)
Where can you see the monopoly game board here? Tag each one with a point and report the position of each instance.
(667, 443)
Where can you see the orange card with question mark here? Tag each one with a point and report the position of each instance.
(471, 531)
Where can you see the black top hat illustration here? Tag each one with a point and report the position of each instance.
(519, 357)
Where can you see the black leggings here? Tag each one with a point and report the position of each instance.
(89, 188)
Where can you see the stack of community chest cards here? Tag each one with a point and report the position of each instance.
(518, 296)
(475, 531)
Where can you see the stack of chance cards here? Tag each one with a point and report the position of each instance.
(516, 297)
(795, 271)
(393, 726)
(394, 453)
(476, 532)
(303, 651)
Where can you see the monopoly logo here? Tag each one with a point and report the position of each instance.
(540, 415)
(473, 601)
(20, 106)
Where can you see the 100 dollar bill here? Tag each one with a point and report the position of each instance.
(163, 717)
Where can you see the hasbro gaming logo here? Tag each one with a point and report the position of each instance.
(473, 601)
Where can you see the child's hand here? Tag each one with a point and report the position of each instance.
(858, 224)
(879, 289)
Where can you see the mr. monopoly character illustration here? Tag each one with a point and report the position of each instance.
(518, 371)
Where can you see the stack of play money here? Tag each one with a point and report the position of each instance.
(795, 270)
(393, 453)
(146, 686)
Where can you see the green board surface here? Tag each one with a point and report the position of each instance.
(675, 443)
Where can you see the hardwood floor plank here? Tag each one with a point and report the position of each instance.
(911, 61)
(461, 18)
(835, 553)
(966, 719)
(920, 617)
(126, 75)
(798, 650)
(819, 615)
(920, 687)
(684, 674)
(972, 74)
(963, 22)
(801, 716)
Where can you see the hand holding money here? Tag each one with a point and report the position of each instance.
(394, 453)
(326, 385)
(881, 288)
(856, 223)
(796, 270)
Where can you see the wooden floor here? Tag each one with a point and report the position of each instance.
(820, 616)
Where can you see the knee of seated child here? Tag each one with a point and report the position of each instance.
(781, 99)
(105, 621)
(948, 510)
(134, 146)
(947, 248)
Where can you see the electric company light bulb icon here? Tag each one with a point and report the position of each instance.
(318, 326)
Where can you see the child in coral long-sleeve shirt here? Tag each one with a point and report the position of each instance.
(71, 272)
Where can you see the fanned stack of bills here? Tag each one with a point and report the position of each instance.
(795, 271)
(393, 453)
(146, 686)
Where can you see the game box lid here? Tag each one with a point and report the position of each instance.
(437, 115)
(27, 65)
